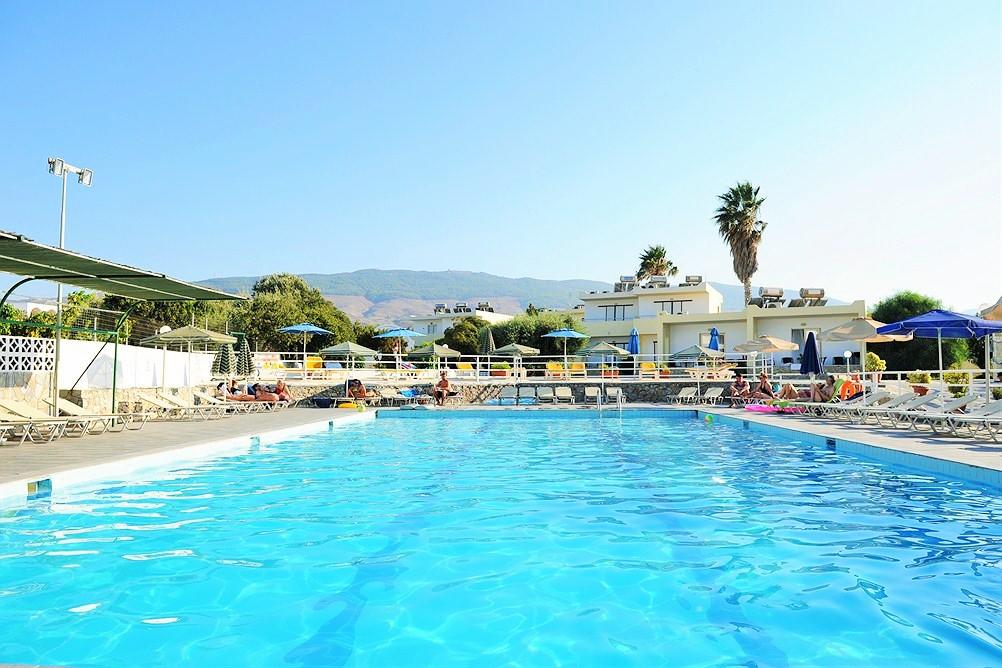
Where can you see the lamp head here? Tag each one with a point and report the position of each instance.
(85, 177)
(57, 166)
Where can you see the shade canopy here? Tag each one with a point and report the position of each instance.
(697, 352)
(604, 348)
(939, 323)
(304, 328)
(188, 334)
(565, 334)
(348, 349)
(766, 344)
(515, 350)
(993, 312)
(633, 344)
(434, 350)
(810, 357)
(30, 259)
(862, 329)
(399, 333)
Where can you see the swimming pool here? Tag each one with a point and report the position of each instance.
(506, 538)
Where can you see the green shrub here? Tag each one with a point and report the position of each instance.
(997, 393)
(500, 365)
(957, 383)
(920, 378)
(874, 363)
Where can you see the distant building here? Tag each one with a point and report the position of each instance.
(433, 326)
(671, 318)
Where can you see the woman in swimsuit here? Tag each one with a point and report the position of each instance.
(764, 388)
(442, 389)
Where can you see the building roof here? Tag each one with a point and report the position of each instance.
(30, 259)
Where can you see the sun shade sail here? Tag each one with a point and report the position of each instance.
(30, 259)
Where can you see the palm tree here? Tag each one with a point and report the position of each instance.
(739, 225)
(654, 262)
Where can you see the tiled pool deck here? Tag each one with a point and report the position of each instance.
(72, 459)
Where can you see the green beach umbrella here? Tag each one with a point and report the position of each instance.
(245, 360)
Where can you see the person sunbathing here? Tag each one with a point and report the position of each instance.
(282, 390)
(764, 388)
(739, 388)
(261, 394)
(818, 392)
(233, 393)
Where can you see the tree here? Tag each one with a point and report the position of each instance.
(9, 312)
(464, 335)
(654, 262)
(280, 300)
(528, 330)
(917, 353)
(738, 223)
(531, 310)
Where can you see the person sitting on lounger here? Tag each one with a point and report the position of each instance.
(233, 393)
(261, 394)
(817, 392)
(739, 388)
(764, 388)
(282, 390)
(442, 390)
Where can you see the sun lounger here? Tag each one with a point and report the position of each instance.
(593, 394)
(72, 426)
(937, 414)
(35, 430)
(508, 393)
(229, 404)
(545, 394)
(526, 395)
(563, 394)
(987, 419)
(614, 395)
(861, 414)
(893, 416)
(204, 411)
(685, 395)
(712, 395)
(102, 422)
(14, 433)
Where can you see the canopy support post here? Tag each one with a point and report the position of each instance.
(14, 287)
(114, 364)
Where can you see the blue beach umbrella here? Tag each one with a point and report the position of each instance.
(633, 344)
(565, 334)
(714, 343)
(940, 324)
(810, 357)
(399, 333)
(306, 329)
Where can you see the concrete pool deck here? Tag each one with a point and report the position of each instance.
(974, 460)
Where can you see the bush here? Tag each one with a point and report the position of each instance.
(528, 330)
(920, 378)
(500, 365)
(874, 363)
(917, 353)
(997, 393)
(958, 383)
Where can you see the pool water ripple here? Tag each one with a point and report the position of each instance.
(516, 540)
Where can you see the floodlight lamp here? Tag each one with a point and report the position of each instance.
(85, 177)
(57, 166)
(847, 353)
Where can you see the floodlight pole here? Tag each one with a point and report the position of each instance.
(60, 168)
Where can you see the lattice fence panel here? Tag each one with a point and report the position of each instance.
(23, 353)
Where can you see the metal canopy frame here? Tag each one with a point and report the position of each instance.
(40, 262)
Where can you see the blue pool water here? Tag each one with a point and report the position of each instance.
(541, 539)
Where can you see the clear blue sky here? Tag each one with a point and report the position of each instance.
(525, 139)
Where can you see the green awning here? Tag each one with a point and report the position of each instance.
(188, 334)
(30, 259)
(604, 348)
(515, 350)
(434, 350)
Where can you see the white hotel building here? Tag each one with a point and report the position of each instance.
(433, 326)
(671, 318)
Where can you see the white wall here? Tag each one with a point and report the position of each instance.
(137, 366)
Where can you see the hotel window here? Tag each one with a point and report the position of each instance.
(673, 306)
(614, 311)
(704, 339)
(799, 335)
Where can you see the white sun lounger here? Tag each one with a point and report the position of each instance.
(72, 426)
(37, 431)
(102, 421)
(685, 395)
(933, 414)
(527, 394)
(861, 414)
(895, 415)
(546, 394)
(563, 393)
(615, 395)
(987, 419)
(508, 393)
(593, 393)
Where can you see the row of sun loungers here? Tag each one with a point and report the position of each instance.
(20, 422)
(557, 395)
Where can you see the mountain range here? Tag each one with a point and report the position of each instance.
(384, 296)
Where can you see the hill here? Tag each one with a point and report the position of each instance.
(383, 296)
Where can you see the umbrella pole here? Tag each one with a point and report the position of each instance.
(304, 355)
(862, 368)
(939, 345)
(988, 368)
